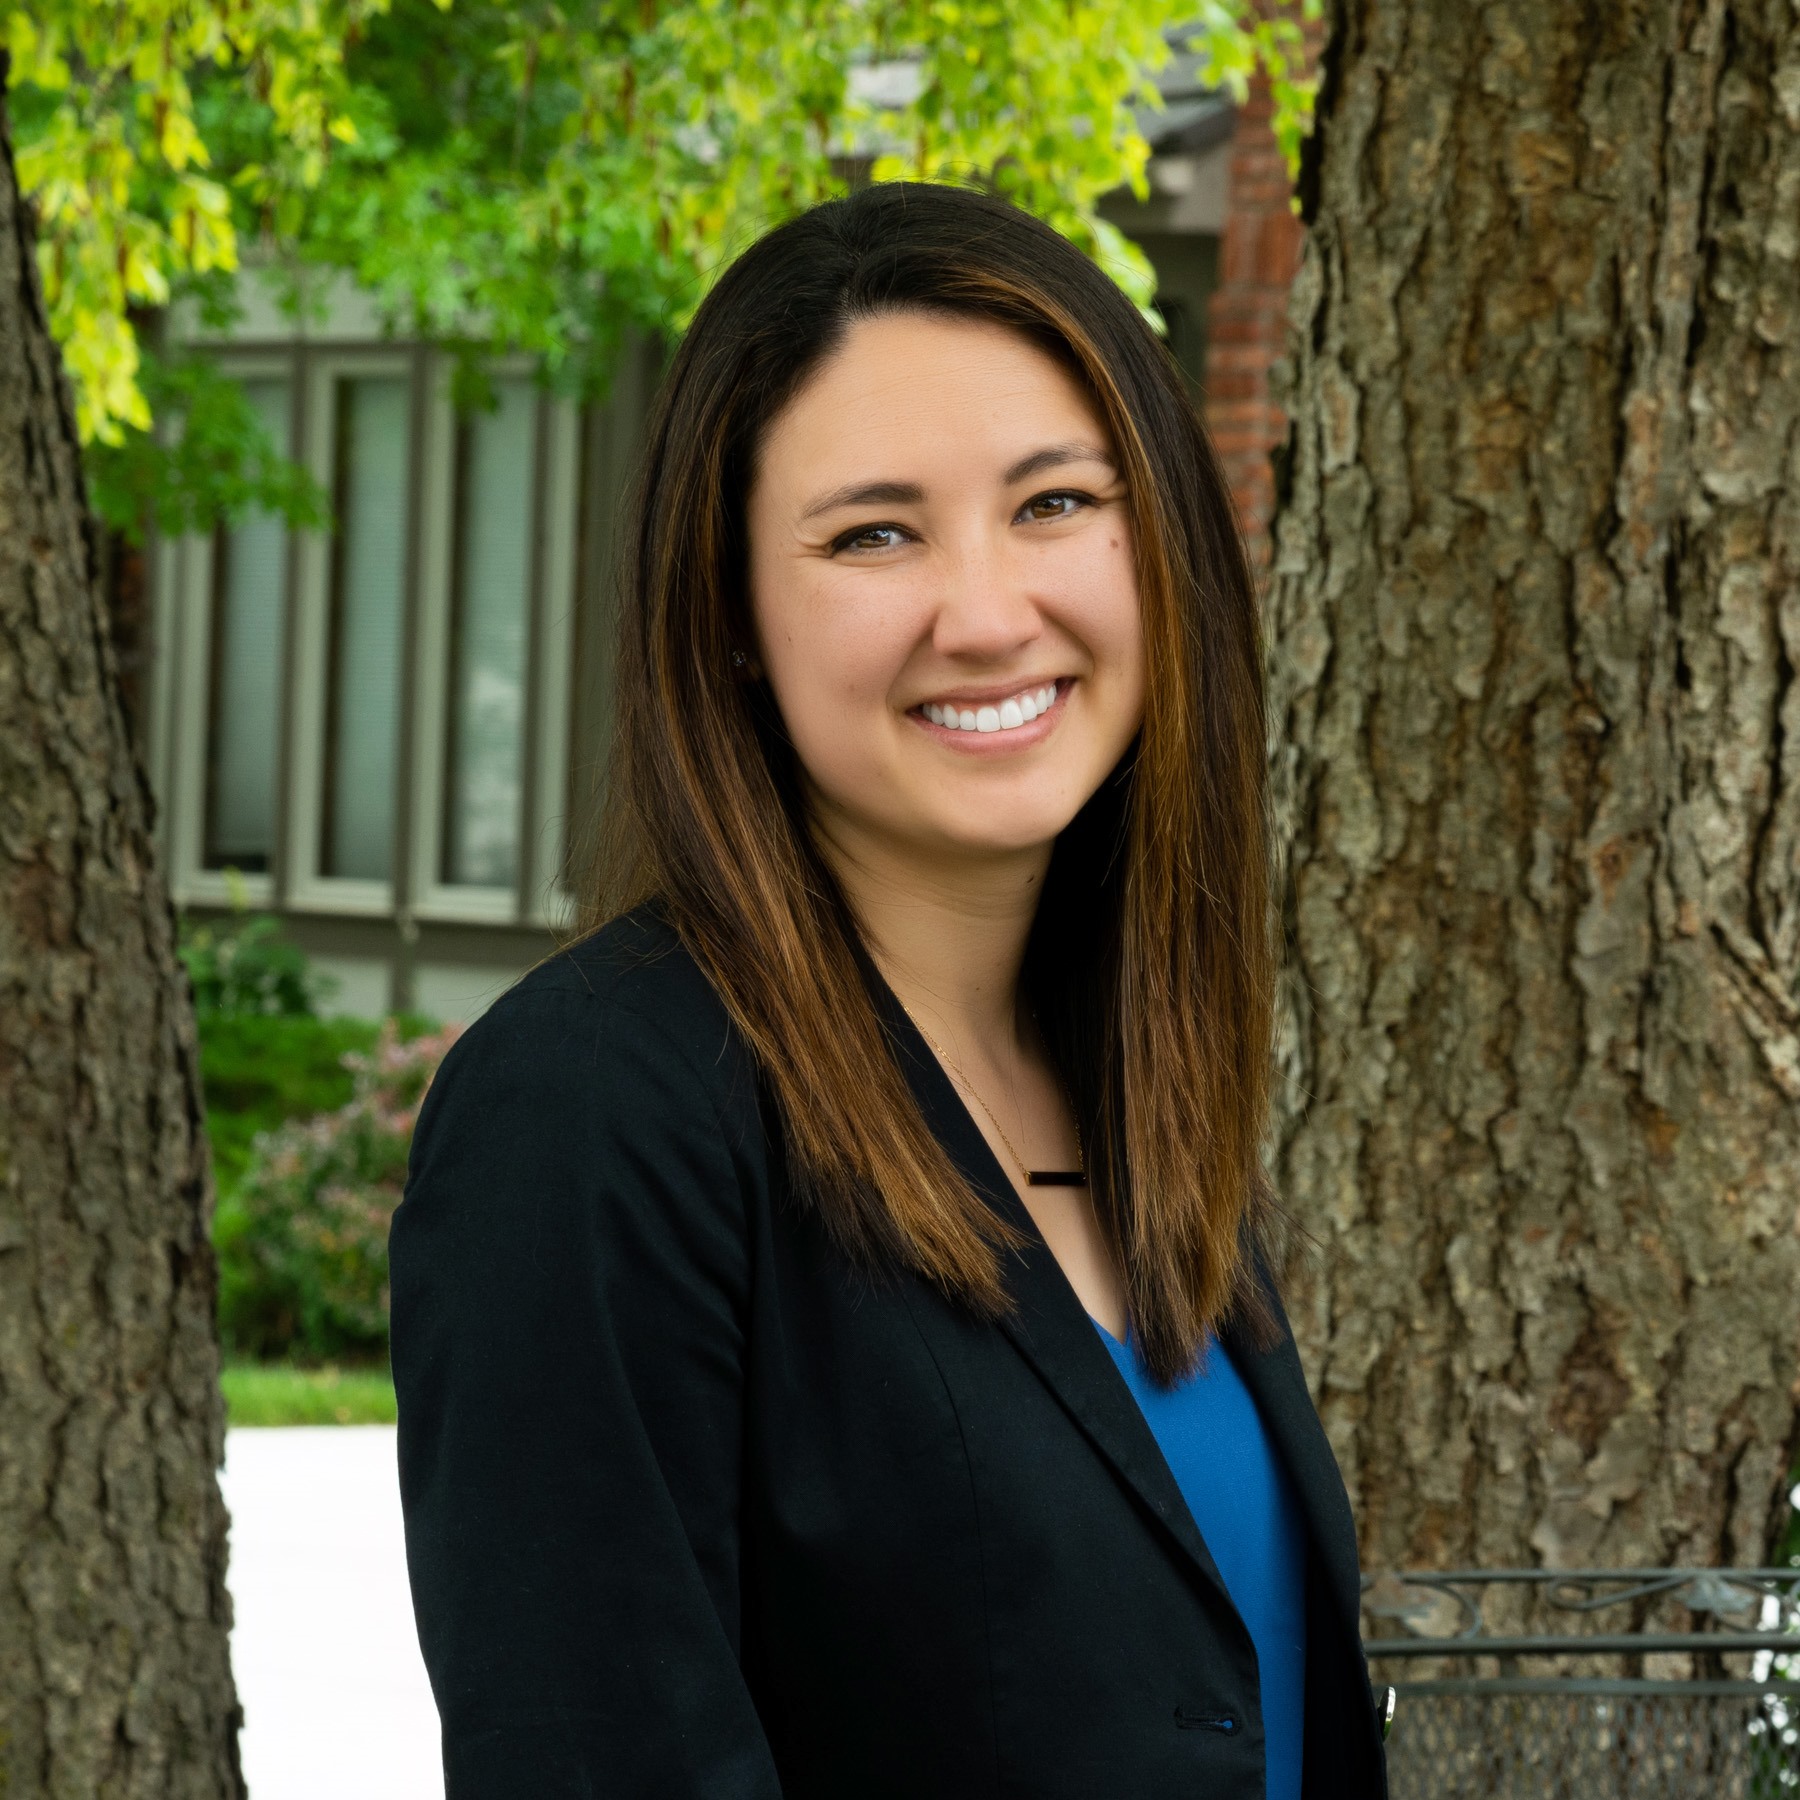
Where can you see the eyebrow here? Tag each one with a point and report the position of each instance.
(909, 493)
(1054, 456)
(867, 493)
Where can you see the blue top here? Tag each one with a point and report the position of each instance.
(1212, 1438)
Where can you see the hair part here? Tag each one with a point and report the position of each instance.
(1150, 965)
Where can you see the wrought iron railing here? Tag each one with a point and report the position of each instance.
(1590, 1684)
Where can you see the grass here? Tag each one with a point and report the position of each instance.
(284, 1394)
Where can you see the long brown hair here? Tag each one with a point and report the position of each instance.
(1149, 966)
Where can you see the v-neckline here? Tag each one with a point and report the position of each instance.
(1057, 1336)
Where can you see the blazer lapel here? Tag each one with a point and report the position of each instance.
(1049, 1326)
(1277, 1384)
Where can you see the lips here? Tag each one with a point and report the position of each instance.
(1009, 714)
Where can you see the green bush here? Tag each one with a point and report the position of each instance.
(302, 1240)
(310, 1121)
(261, 1070)
(265, 1054)
(244, 965)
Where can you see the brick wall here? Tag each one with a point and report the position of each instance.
(1247, 318)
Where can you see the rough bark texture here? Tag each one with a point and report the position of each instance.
(114, 1673)
(1536, 619)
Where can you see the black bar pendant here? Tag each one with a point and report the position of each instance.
(1055, 1178)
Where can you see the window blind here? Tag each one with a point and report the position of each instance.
(243, 702)
(363, 716)
(484, 773)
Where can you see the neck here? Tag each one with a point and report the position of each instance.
(948, 932)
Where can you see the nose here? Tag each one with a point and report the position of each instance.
(986, 612)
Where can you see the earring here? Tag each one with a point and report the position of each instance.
(738, 659)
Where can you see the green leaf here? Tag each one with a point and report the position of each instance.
(208, 462)
(546, 178)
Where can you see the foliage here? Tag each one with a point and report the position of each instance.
(260, 1070)
(567, 176)
(309, 1127)
(265, 1055)
(110, 145)
(303, 1242)
(281, 1394)
(207, 457)
(1234, 41)
(243, 964)
(544, 178)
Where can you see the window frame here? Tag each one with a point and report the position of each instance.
(547, 900)
(538, 897)
(183, 698)
(184, 571)
(305, 887)
(433, 897)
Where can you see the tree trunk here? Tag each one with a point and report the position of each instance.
(1535, 622)
(115, 1678)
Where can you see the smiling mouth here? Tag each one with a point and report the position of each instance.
(1000, 715)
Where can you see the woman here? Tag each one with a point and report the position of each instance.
(833, 1349)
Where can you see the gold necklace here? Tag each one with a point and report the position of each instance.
(1075, 1177)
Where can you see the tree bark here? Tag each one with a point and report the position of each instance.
(115, 1678)
(1535, 622)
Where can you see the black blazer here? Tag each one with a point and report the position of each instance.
(694, 1508)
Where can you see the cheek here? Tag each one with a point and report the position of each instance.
(831, 651)
(1131, 648)
(1107, 616)
(818, 639)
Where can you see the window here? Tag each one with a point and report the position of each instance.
(243, 714)
(362, 728)
(490, 609)
(373, 722)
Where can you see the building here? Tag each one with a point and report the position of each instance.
(392, 733)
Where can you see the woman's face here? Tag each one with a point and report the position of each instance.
(943, 589)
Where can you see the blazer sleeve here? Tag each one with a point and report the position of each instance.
(569, 1284)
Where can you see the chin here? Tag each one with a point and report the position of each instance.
(984, 836)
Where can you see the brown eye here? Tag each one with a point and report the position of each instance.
(869, 537)
(1054, 506)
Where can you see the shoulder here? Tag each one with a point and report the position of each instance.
(633, 965)
(621, 1030)
(631, 985)
(593, 1141)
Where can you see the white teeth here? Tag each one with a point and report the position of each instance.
(1009, 715)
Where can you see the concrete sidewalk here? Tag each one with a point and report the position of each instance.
(336, 1705)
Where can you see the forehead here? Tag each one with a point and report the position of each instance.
(917, 395)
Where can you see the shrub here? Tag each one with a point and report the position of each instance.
(265, 1054)
(244, 965)
(261, 1070)
(302, 1241)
